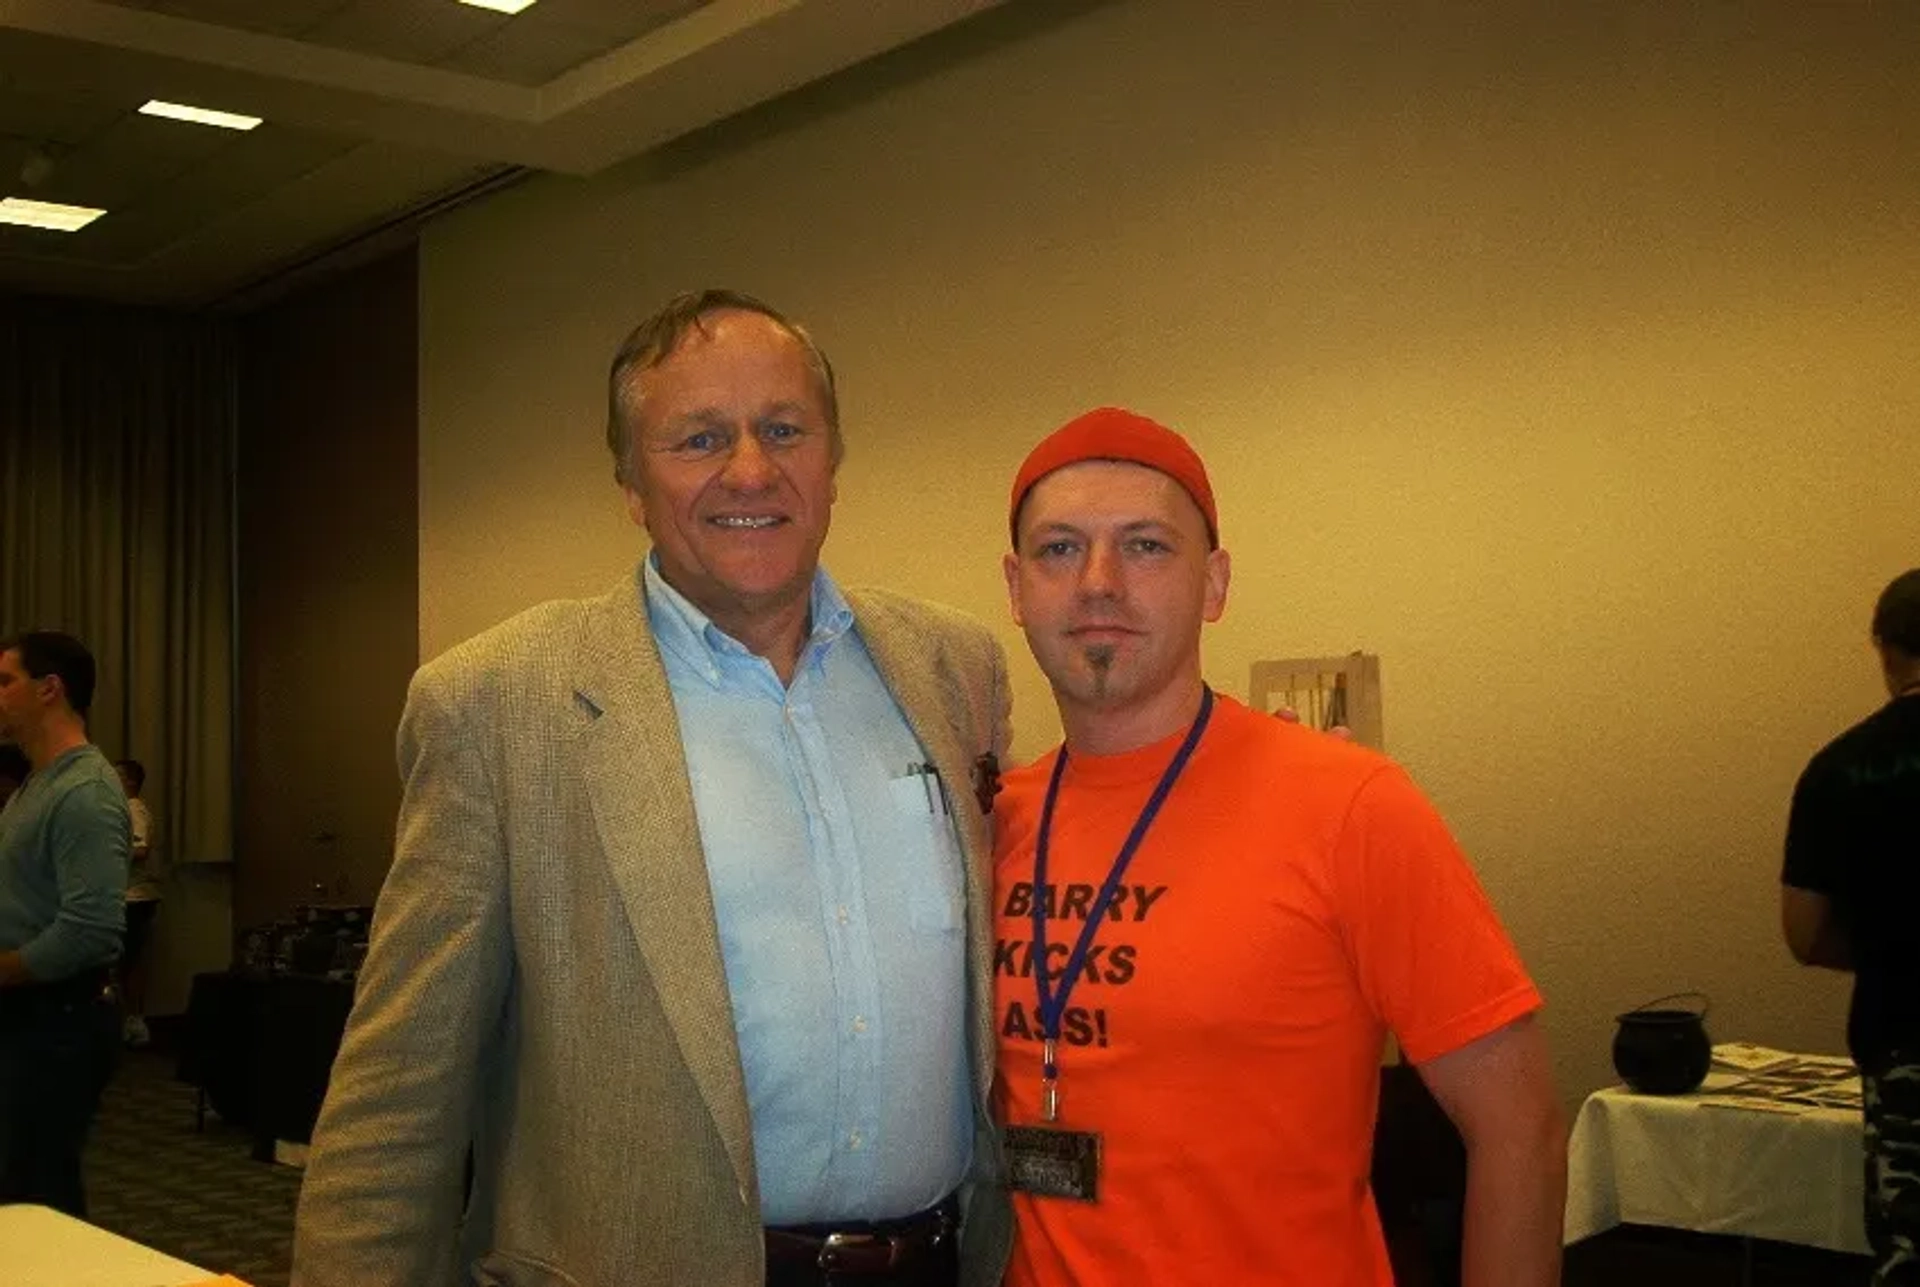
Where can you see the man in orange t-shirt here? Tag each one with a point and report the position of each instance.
(1233, 913)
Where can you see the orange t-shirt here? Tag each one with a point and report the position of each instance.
(1296, 898)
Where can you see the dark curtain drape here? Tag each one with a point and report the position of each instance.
(116, 468)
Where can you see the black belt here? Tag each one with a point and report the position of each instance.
(883, 1247)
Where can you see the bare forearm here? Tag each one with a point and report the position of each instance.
(1815, 931)
(1516, 1209)
(1831, 950)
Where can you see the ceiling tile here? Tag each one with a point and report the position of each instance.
(530, 51)
(249, 170)
(130, 158)
(408, 31)
(13, 154)
(268, 17)
(123, 237)
(190, 199)
(40, 244)
(620, 20)
(31, 114)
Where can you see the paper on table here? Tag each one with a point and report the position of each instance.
(1778, 1082)
(1748, 1057)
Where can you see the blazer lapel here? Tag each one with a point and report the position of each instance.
(636, 780)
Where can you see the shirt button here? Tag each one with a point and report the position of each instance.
(841, 915)
(859, 1023)
(853, 1140)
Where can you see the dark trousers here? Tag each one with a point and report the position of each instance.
(940, 1268)
(1892, 1102)
(57, 1051)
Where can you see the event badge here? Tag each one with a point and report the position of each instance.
(1051, 1163)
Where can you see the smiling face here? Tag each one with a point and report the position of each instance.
(1112, 581)
(733, 469)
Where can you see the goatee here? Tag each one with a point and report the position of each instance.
(1100, 662)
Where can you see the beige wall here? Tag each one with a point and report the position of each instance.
(192, 933)
(1564, 359)
(328, 584)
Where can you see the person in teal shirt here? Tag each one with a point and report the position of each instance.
(64, 848)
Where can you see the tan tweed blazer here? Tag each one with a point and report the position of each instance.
(545, 977)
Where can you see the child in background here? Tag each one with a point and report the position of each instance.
(143, 902)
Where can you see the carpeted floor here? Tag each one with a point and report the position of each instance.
(198, 1196)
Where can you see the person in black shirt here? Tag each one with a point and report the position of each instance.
(1850, 897)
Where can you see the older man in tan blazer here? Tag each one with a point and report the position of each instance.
(618, 899)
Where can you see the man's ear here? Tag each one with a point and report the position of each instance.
(1010, 565)
(636, 508)
(1219, 573)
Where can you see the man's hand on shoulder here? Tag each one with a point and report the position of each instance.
(1288, 715)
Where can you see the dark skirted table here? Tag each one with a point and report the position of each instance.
(260, 1048)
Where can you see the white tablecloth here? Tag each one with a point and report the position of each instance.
(41, 1247)
(1670, 1160)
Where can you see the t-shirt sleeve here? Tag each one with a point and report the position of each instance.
(1432, 957)
(1815, 834)
(88, 833)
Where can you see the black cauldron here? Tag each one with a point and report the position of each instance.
(1663, 1051)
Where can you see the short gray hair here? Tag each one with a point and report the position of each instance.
(655, 339)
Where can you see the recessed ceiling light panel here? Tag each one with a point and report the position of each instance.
(50, 215)
(500, 6)
(199, 115)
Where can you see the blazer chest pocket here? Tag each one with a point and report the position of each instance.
(930, 854)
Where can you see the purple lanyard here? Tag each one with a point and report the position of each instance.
(1053, 1001)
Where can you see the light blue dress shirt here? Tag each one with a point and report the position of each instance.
(837, 885)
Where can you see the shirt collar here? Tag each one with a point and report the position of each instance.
(691, 636)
